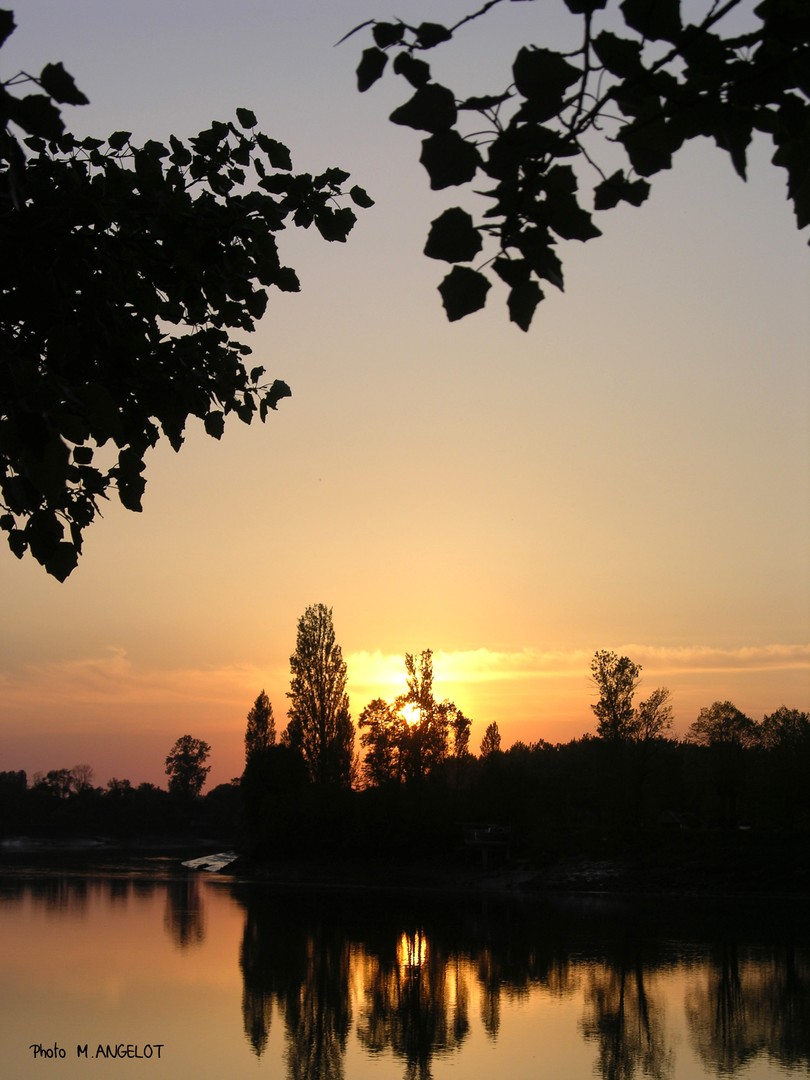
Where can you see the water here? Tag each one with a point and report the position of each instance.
(194, 975)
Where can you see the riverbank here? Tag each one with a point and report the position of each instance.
(744, 863)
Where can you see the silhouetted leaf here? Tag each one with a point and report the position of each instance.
(335, 225)
(277, 153)
(417, 72)
(360, 197)
(119, 139)
(61, 560)
(371, 66)
(453, 237)
(463, 291)
(542, 77)
(432, 108)
(7, 25)
(429, 34)
(387, 34)
(246, 118)
(621, 56)
(522, 302)
(286, 280)
(512, 271)
(277, 391)
(617, 188)
(649, 146)
(733, 133)
(449, 159)
(37, 115)
(60, 85)
(657, 20)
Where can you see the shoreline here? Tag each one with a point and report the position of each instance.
(715, 867)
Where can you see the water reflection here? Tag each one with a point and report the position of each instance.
(748, 1002)
(417, 983)
(413, 984)
(184, 916)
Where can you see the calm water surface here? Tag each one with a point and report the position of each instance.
(206, 977)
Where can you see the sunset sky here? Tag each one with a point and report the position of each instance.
(632, 474)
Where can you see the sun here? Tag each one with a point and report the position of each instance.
(412, 714)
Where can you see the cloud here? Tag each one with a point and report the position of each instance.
(376, 669)
(112, 683)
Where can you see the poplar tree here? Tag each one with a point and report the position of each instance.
(261, 727)
(320, 726)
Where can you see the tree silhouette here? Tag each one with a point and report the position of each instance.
(261, 726)
(320, 726)
(648, 86)
(405, 741)
(616, 679)
(186, 768)
(491, 742)
(129, 276)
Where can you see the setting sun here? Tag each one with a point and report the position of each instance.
(412, 714)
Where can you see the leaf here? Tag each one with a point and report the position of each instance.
(463, 291)
(621, 56)
(335, 225)
(542, 77)
(181, 155)
(61, 560)
(430, 34)
(277, 153)
(286, 280)
(119, 139)
(522, 303)
(617, 188)
(417, 72)
(214, 424)
(60, 85)
(371, 66)
(246, 118)
(36, 114)
(332, 178)
(656, 20)
(7, 25)
(649, 145)
(277, 391)
(449, 159)
(387, 34)
(453, 237)
(360, 197)
(733, 134)
(432, 108)
(512, 271)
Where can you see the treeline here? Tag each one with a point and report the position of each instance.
(405, 781)
(65, 803)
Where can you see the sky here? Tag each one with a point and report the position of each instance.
(632, 474)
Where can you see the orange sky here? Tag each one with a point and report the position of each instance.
(633, 474)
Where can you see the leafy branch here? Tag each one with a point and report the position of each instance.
(649, 90)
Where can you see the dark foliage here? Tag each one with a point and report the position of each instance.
(129, 277)
(642, 78)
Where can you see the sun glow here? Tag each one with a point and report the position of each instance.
(412, 714)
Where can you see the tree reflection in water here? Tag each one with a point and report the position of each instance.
(416, 1002)
(751, 1003)
(627, 1022)
(301, 971)
(184, 917)
(416, 977)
